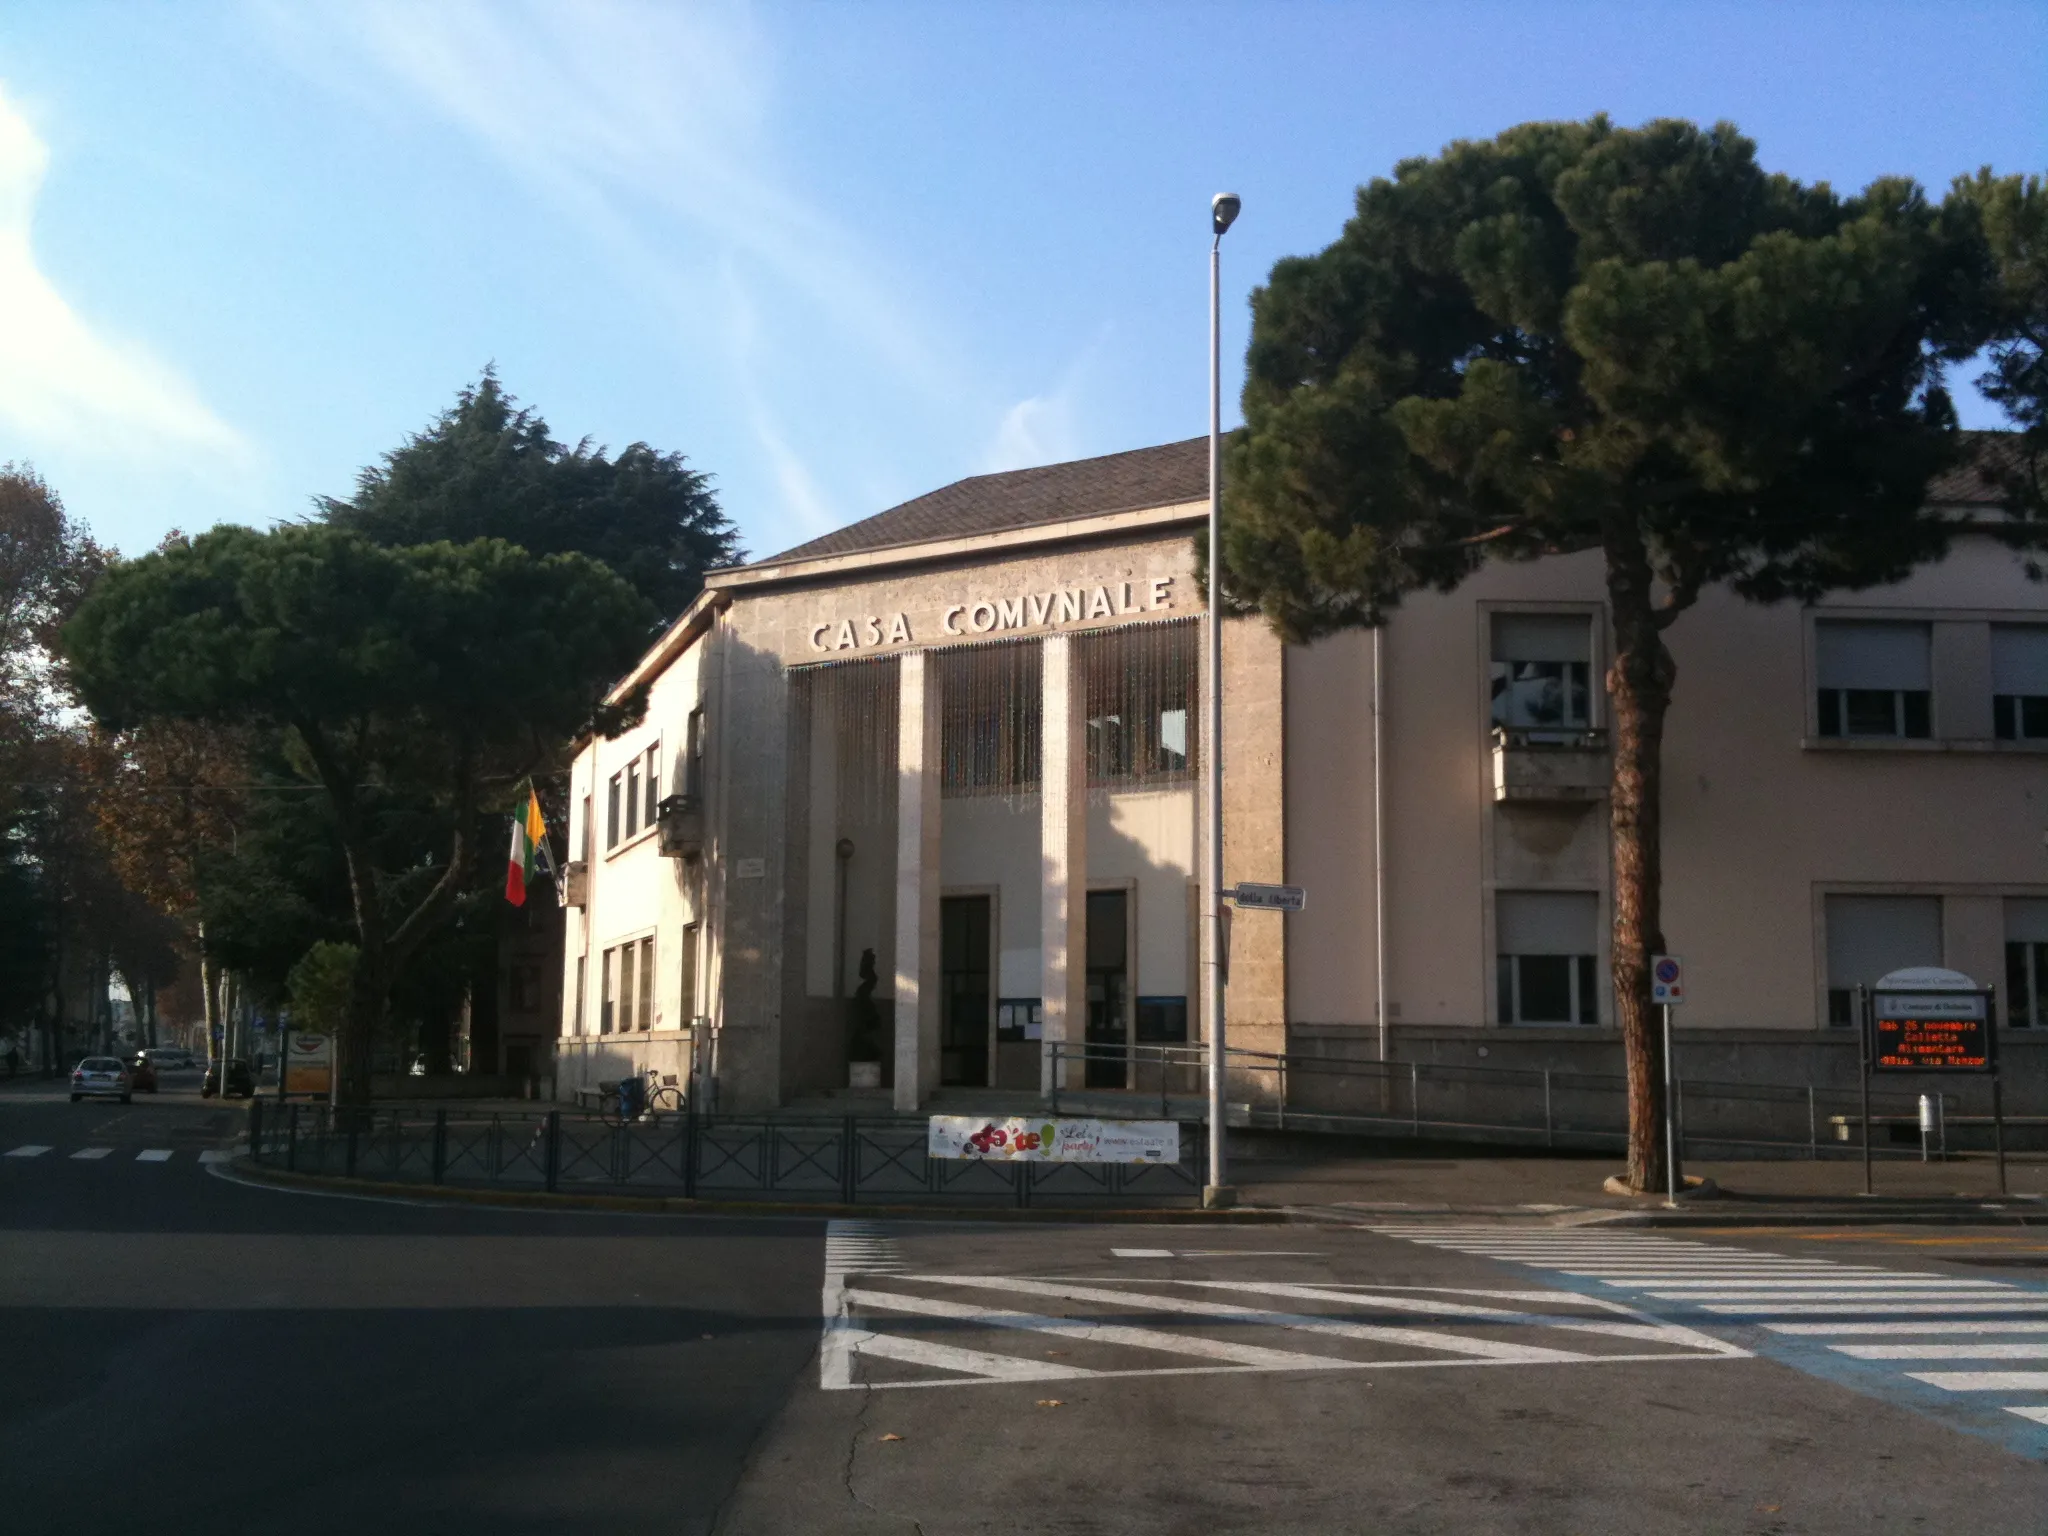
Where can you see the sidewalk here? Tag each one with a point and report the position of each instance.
(1355, 1185)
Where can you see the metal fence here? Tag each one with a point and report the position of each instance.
(844, 1161)
(1511, 1106)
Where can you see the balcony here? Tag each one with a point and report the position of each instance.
(681, 820)
(576, 884)
(1550, 767)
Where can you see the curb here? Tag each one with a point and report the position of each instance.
(243, 1171)
(2029, 1213)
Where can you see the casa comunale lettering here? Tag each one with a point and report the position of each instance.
(1032, 610)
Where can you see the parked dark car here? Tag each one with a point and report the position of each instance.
(240, 1080)
(142, 1073)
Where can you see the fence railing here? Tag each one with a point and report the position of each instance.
(1522, 1106)
(844, 1161)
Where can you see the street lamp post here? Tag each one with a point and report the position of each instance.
(1218, 1193)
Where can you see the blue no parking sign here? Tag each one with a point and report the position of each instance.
(1667, 979)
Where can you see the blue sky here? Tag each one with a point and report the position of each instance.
(838, 254)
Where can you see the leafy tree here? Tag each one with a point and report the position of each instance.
(2013, 211)
(1582, 338)
(487, 468)
(321, 984)
(440, 674)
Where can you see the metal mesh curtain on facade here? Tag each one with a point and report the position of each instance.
(1142, 704)
(859, 698)
(991, 700)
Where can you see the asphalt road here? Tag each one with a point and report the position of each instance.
(179, 1352)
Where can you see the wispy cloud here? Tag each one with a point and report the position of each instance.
(65, 383)
(1046, 428)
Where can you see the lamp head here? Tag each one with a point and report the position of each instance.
(1223, 211)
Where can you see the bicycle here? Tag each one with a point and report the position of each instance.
(659, 1097)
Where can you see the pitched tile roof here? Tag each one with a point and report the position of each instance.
(1968, 483)
(1024, 498)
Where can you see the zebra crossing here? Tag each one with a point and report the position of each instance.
(103, 1153)
(890, 1324)
(1939, 1342)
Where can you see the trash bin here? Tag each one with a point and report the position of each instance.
(633, 1096)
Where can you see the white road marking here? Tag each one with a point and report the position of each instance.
(1984, 1381)
(1141, 1253)
(1974, 1325)
(2036, 1350)
(1085, 1331)
(1849, 1286)
(92, 1154)
(970, 1362)
(1878, 1308)
(154, 1155)
(29, 1151)
(2038, 1415)
(1420, 1338)
(215, 1155)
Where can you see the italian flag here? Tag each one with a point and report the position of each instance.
(529, 850)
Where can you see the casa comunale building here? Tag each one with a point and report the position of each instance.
(918, 802)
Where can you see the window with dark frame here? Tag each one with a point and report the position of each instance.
(653, 783)
(645, 1008)
(1547, 957)
(2026, 962)
(689, 977)
(633, 799)
(607, 991)
(611, 814)
(1541, 671)
(693, 755)
(1875, 679)
(629, 990)
(1142, 684)
(1871, 936)
(2019, 682)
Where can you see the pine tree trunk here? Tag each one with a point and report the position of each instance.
(1639, 687)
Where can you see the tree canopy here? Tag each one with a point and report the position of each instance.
(426, 678)
(1577, 337)
(488, 468)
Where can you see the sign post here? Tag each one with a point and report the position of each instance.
(1925, 1019)
(1667, 988)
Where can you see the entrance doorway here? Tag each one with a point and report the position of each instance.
(1109, 988)
(965, 990)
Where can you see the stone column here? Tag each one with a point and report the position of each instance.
(917, 881)
(1063, 842)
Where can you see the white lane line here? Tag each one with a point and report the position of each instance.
(29, 1151)
(1878, 1308)
(971, 1362)
(1667, 1333)
(2038, 1415)
(1417, 1338)
(215, 1155)
(1141, 1253)
(154, 1155)
(1974, 1325)
(1087, 1332)
(1848, 1286)
(2035, 1350)
(1984, 1381)
(92, 1154)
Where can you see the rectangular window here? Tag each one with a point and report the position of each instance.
(644, 1010)
(693, 755)
(991, 699)
(632, 796)
(1875, 679)
(2026, 963)
(576, 1022)
(1872, 936)
(1162, 1020)
(611, 814)
(1141, 689)
(688, 996)
(2019, 682)
(653, 771)
(1542, 671)
(607, 1006)
(588, 833)
(1547, 946)
(629, 990)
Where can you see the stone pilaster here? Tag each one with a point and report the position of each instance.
(917, 882)
(1063, 836)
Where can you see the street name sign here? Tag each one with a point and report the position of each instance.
(1268, 898)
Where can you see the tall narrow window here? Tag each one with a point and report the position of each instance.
(1542, 671)
(576, 1020)
(688, 999)
(644, 1009)
(611, 814)
(1876, 679)
(633, 797)
(2026, 962)
(2019, 682)
(1141, 684)
(1547, 944)
(693, 755)
(1872, 936)
(628, 987)
(653, 773)
(608, 982)
(584, 845)
(990, 700)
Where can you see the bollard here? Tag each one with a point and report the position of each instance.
(1926, 1123)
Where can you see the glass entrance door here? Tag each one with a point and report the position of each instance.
(1109, 989)
(965, 1016)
